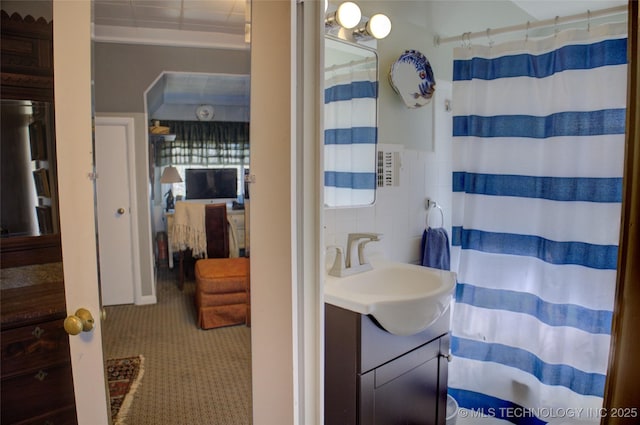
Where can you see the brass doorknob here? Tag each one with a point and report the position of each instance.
(82, 321)
(120, 211)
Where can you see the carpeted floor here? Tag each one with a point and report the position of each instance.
(192, 376)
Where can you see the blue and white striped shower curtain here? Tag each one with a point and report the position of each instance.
(350, 136)
(538, 154)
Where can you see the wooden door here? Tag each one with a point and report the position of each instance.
(72, 67)
(114, 210)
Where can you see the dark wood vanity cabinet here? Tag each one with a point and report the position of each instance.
(373, 377)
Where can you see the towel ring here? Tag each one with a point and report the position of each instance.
(435, 205)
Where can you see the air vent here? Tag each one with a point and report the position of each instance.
(388, 168)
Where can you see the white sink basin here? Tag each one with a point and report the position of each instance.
(404, 298)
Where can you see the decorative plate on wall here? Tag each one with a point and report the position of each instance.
(412, 78)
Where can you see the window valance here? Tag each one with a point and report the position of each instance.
(204, 143)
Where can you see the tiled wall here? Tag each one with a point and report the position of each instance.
(399, 212)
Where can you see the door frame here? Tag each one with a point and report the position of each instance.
(287, 364)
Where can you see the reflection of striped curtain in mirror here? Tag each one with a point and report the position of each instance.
(538, 151)
(350, 136)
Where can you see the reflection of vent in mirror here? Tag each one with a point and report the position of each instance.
(388, 168)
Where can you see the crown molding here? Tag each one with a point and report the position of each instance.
(168, 37)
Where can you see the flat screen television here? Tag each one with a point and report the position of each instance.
(211, 183)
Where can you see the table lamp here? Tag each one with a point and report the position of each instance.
(170, 175)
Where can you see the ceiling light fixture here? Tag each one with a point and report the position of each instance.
(205, 112)
(347, 15)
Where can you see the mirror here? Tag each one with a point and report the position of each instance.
(350, 124)
(28, 201)
(29, 223)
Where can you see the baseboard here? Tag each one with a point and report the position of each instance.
(147, 299)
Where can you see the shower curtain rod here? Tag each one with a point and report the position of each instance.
(350, 64)
(467, 36)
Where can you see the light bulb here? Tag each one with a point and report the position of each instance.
(348, 15)
(379, 26)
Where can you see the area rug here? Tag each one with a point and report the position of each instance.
(123, 377)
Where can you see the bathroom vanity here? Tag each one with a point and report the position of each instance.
(375, 377)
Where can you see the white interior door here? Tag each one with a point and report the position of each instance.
(72, 67)
(114, 210)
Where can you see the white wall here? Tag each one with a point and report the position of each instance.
(412, 128)
(399, 212)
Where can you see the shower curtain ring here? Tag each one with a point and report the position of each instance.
(468, 44)
(588, 20)
(526, 36)
(555, 26)
(489, 37)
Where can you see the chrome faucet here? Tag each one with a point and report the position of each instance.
(354, 237)
(341, 269)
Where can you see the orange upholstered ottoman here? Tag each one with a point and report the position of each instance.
(222, 291)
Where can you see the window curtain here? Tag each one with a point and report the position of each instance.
(204, 143)
(350, 136)
(537, 186)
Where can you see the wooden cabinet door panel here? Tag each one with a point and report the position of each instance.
(36, 394)
(29, 348)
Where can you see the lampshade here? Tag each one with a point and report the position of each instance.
(379, 26)
(170, 175)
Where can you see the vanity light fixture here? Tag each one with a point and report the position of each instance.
(378, 27)
(346, 22)
(347, 15)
